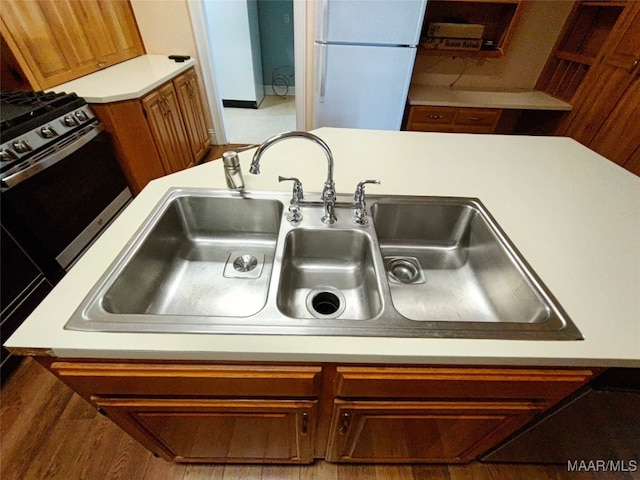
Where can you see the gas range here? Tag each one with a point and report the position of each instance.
(33, 124)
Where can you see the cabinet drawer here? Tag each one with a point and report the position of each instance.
(432, 115)
(548, 385)
(237, 381)
(485, 117)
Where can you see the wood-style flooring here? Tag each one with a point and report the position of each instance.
(50, 433)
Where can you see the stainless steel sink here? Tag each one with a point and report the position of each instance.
(446, 260)
(198, 255)
(217, 261)
(329, 273)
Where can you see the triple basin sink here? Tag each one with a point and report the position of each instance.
(220, 261)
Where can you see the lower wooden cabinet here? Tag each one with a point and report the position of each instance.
(161, 133)
(281, 413)
(419, 432)
(215, 430)
(452, 119)
(164, 117)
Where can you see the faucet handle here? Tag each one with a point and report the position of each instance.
(358, 196)
(360, 213)
(294, 217)
(298, 194)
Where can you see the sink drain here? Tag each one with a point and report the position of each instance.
(245, 263)
(404, 269)
(325, 302)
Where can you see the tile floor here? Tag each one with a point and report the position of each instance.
(252, 126)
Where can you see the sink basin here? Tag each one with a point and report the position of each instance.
(446, 260)
(328, 274)
(196, 258)
(217, 261)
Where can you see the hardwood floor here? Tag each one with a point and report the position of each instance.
(50, 433)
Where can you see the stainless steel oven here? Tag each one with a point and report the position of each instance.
(60, 180)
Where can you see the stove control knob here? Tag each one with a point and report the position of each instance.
(69, 121)
(21, 146)
(48, 132)
(7, 155)
(82, 116)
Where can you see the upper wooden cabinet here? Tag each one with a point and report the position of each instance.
(55, 41)
(499, 18)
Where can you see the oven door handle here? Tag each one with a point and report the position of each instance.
(90, 132)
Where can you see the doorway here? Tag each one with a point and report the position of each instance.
(278, 77)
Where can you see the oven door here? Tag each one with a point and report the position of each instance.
(65, 200)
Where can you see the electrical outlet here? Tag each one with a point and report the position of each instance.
(287, 18)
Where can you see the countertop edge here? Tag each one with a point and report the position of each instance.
(123, 81)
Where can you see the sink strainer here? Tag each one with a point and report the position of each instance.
(404, 269)
(244, 265)
(325, 302)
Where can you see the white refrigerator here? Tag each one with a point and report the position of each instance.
(364, 55)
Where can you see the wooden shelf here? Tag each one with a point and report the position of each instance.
(461, 53)
(575, 57)
(497, 16)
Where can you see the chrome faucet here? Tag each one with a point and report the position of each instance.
(329, 190)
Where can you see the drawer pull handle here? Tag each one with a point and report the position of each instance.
(305, 423)
(475, 119)
(435, 117)
(344, 423)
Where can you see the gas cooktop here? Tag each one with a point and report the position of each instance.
(31, 123)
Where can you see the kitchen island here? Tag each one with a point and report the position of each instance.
(574, 216)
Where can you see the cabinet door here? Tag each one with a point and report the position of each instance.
(413, 432)
(203, 430)
(50, 39)
(608, 82)
(192, 113)
(163, 115)
(115, 37)
(58, 41)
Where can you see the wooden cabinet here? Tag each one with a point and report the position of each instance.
(596, 67)
(607, 118)
(57, 41)
(442, 414)
(206, 413)
(161, 133)
(213, 430)
(191, 107)
(261, 413)
(499, 18)
(165, 120)
(453, 119)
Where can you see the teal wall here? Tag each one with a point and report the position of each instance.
(276, 40)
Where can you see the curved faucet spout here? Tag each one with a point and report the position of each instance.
(328, 192)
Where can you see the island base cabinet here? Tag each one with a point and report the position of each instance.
(221, 431)
(421, 432)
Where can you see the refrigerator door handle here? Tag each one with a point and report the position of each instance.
(323, 23)
(322, 71)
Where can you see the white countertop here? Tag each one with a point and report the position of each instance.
(573, 215)
(127, 80)
(450, 97)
